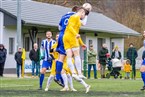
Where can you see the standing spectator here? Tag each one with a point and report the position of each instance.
(127, 69)
(34, 55)
(116, 53)
(18, 58)
(92, 61)
(132, 55)
(3, 53)
(103, 59)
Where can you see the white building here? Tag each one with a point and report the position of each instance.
(99, 29)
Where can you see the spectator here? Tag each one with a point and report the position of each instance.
(116, 53)
(92, 61)
(127, 69)
(34, 55)
(18, 58)
(3, 53)
(132, 55)
(103, 59)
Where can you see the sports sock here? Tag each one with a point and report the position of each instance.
(50, 78)
(41, 80)
(65, 80)
(143, 77)
(70, 81)
(59, 66)
(70, 65)
(78, 64)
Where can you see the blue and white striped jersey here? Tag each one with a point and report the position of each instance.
(45, 48)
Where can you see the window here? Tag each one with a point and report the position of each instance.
(39, 42)
(101, 41)
(27, 43)
(112, 45)
(11, 45)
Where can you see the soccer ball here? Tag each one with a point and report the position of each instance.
(87, 6)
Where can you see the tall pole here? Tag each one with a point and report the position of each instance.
(1, 24)
(19, 35)
(85, 62)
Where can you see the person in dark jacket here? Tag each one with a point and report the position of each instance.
(116, 53)
(18, 59)
(132, 55)
(103, 59)
(34, 55)
(3, 53)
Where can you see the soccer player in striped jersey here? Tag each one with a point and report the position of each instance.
(71, 40)
(46, 56)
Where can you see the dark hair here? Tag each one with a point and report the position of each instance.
(1, 45)
(75, 8)
(86, 11)
(128, 61)
(49, 31)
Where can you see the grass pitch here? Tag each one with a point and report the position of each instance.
(27, 87)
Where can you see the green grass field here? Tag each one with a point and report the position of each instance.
(27, 87)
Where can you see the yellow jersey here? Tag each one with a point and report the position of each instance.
(72, 29)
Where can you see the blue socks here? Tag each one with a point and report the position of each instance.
(41, 80)
(59, 66)
(143, 77)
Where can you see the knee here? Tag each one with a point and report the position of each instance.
(43, 71)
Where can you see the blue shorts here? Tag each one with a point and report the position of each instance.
(46, 64)
(60, 47)
(143, 62)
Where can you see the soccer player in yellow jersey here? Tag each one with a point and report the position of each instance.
(71, 44)
(65, 72)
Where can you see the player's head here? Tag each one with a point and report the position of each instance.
(48, 34)
(75, 8)
(82, 12)
(56, 37)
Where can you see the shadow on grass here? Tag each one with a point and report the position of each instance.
(52, 93)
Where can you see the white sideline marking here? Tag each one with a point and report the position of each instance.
(7, 85)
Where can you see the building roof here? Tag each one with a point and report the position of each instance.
(33, 12)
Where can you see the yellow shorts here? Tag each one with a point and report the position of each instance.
(70, 42)
(53, 68)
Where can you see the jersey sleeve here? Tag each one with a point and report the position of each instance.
(81, 42)
(72, 22)
(84, 21)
